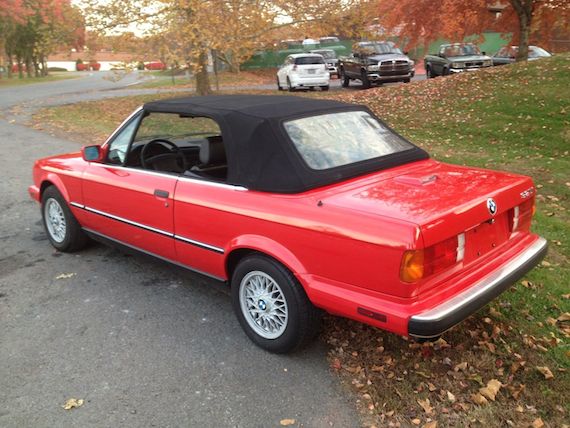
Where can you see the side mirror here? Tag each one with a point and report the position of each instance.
(93, 153)
(483, 53)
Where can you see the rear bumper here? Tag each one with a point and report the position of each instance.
(437, 320)
(433, 312)
(310, 81)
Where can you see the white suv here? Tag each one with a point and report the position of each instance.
(303, 70)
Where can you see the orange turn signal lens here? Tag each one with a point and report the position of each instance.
(412, 268)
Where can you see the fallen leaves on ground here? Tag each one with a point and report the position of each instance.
(73, 403)
(287, 422)
(65, 275)
(546, 372)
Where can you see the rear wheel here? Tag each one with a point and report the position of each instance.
(406, 80)
(289, 87)
(429, 73)
(364, 79)
(63, 230)
(272, 306)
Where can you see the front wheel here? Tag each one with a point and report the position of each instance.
(325, 88)
(345, 81)
(279, 88)
(272, 306)
(63, 230)
(364, 79)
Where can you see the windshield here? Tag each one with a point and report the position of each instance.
(307, 60)
(328, 54)
(380, 48)
(536, 52)
(337, 139)
(462, 50)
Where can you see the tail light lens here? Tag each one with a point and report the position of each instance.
(418, 264)
(520, 217)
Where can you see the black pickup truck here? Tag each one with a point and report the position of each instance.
(375, 62)
(456, 58)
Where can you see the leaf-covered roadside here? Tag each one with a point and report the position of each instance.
(506, 365)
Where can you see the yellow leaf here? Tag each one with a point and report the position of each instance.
(73, 403)
(537, 423)
(450, 397)
(287, 422)
(564, 317)
(65, 276)
(546, 372)
(426, 406)
(416, 421)
(479, 399)
(490, 391)
(432, 424)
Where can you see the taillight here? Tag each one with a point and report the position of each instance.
(520, 216)
(418, 264)
(295, 67)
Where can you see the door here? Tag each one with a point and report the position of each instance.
(127, 204)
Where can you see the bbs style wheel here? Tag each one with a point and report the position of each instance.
(272, 306)
(63, 230)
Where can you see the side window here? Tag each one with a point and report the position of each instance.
(120, 144)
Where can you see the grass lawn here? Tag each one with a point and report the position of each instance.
(52, 76)
(508, 364)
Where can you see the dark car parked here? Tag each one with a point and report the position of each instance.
(456, 58)
(331, 59)
(376, 62)
(508, 54)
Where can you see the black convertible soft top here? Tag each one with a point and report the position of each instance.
(259, 152)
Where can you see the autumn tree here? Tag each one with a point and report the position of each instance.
(32, 29)
(422, 21)
(193, 29)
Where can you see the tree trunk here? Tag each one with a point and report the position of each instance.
(524, 10)
(202, 78)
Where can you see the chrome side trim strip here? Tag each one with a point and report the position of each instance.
(199, 244)
(151, 229)
(175, 177)
(214, 184)
(152, 254)
(132, 223)
(484, 286)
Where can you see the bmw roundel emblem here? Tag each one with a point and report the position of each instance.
(492, 206)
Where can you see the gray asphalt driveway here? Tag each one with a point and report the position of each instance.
(142, 343)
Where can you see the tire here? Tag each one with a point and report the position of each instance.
(364, 80)
(279, 88)
(345, 81)
(298, 320)
(325, 88)
(406, 80)
(289, 87)
(445, 72)
(429, 73)
(62, 229)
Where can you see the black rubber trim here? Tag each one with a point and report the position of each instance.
(428, 329)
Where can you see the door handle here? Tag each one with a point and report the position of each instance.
(161, 193)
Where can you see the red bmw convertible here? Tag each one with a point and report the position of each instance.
(301, 205)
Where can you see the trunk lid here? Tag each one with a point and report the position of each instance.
(443, 200)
